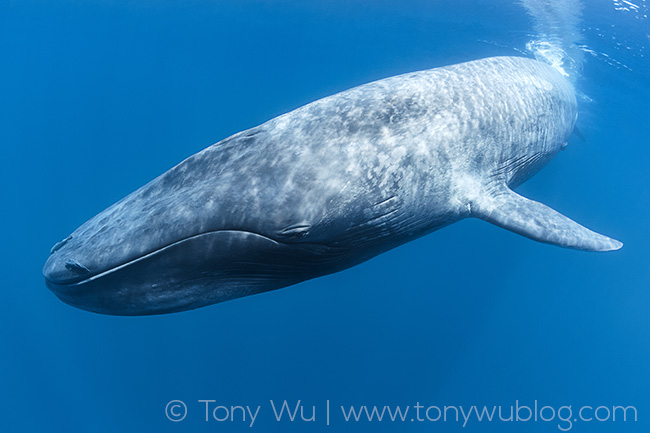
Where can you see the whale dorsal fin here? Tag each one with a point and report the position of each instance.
(532, 219)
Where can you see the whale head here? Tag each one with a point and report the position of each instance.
(176, 244)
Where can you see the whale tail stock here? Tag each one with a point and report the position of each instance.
(539, 222)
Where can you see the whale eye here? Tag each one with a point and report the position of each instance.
(296, 231)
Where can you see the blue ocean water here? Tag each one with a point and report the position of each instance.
(99, 97)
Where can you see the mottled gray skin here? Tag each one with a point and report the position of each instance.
(328, 186)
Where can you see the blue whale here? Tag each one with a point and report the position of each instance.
(328, 186)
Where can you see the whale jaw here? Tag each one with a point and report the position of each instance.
(206, 269)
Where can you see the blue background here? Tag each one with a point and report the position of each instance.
(99, 97)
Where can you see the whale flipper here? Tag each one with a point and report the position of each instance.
(539, 222)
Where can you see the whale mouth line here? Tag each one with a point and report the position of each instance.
(73, 283)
